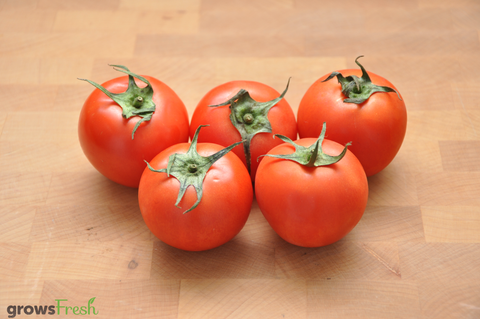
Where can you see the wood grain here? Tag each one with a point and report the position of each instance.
(67, 232)
(363, 299)
(238, 298)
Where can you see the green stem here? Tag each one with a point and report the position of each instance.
(191, 168)
(312, 156)
(250, 117)
(135, 101)
(138, 102)
(358, 90)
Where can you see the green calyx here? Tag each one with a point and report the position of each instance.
(250, 117)
(358, 90)
(135, 101)
(191, 168)
(312, 156)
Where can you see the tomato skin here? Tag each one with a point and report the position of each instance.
(221, 214)
(106, 137)
(221, 130)
(375, 127)
(311, 206)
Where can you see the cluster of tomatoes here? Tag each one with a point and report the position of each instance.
(198, 195)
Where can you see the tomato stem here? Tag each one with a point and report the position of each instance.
(358, 90)
(135, 101)
(312, 156)
(250, 117)
(138, 101)
(191, 168)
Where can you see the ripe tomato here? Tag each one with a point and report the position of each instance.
(376, 127)
(311, 206)
(208, 215)
(114, 145)
(279, 119)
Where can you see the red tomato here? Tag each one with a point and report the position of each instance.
(221, 214)
(106, 137)
(221, 130)
(311, 206)
(375, 127)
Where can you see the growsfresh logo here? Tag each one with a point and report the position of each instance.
(61, 308)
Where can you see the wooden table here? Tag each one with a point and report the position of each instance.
(66, 232)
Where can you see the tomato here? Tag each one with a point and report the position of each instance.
(311, 206)
(208, 214)
(279, 119)
(112, 143)
(376, 127)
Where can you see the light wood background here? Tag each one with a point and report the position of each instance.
(66, 232)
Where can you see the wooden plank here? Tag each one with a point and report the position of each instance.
(19, 188)
(441, 262)
(456, 224)
(20, 292)
(89, 224)
(341, 260)
(448, 189)
(392, 187)
(378, 223)
(362, 299)
(16, 100)
(73, 188)
(452, 299)
(131, 298)
(235, 259)
(256, 298)
(18, 223)
(13, 263)
(27, 21)
(217, 46)
(460, 156)
(395, 43)
(73, 45)
(89, 261)
(192, 5)
(78, 5)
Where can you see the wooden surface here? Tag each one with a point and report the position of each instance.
(66, 232)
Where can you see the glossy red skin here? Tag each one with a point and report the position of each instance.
(375, 127)
(221, 214)
(311, 206)
(221, 130)
(106, 137)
